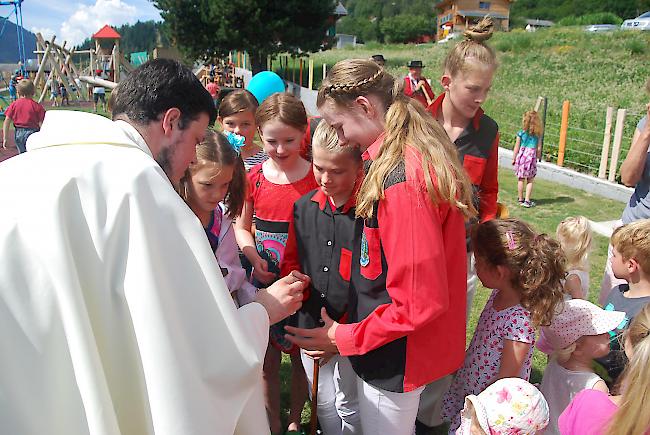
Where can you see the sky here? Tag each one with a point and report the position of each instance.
(75, 20)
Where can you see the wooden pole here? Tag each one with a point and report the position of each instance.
(55, 64)
(300, 81)
(293, 69)
(538, 103)
(311, 74)
(607, 137)
(46, 58)
(563, 132)
(618, 139)
(268, 63)
(324, 71)
(314, 399)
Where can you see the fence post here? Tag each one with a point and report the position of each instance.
(541, 139)
(293, 69)
(324, 71)
(243, 56)
(311, 74)
(604, 155)
(618, 138)
(300, 81)
(563, 131)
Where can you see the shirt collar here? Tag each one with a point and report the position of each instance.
(323, 199)
(436, 106)
(132, 133)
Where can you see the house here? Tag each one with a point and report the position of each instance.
(457, 15)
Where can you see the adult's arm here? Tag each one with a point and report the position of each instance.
(411, 235)
(634, 163)
(515, 151)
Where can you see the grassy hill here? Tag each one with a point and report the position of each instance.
(592, 71)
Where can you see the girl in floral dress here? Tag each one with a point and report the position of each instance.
(525, 270)
(525, 155)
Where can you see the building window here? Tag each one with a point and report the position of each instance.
(484, 5)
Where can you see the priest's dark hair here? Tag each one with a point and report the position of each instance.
(157, 86)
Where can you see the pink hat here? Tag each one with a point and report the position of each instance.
(577, 318)
(508, 406)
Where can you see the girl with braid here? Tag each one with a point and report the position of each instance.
(406, 323)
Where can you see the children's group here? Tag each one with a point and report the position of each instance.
(388, 202)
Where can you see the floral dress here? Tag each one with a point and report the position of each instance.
(483, 357)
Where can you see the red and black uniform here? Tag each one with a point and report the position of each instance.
(320, 245)
(408, 285)
(478, 150)
(409, 90)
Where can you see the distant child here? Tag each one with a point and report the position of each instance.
(631, 262)
(525, 155)
(524, 269)
(274, 187)
(64, 95)
(214, 186)
(468, 73)
(212, 87)
(99, 92)
(54, 91)
(508, 406)
(574, 235)
(26, 115)
(13, 81)
(328, 214)
(593, 412)
(237, 115)
(576, 336)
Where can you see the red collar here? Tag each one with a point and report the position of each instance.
(323, 199)
(434, 108)
(371, 152)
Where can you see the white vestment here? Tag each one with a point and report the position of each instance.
(114, 315)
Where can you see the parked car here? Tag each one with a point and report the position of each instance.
(601, 28)
(642, 22)
(449, 37)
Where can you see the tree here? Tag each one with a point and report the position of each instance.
(205, 29)
(405, 28)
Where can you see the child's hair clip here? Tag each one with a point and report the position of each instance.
(236, 141)
(511, 240)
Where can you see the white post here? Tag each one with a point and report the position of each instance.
(607, 138)
(618, 138)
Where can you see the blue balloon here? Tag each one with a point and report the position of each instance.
(264, 84)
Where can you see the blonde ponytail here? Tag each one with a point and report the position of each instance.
(407, 125)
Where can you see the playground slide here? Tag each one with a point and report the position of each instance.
(98, 82)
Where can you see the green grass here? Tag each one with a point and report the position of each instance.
(554, 203)
(592, 71)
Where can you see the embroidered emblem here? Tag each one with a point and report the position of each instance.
(364, 260)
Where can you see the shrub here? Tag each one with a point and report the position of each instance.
(635, 46)
(587, 19)
(404, 28)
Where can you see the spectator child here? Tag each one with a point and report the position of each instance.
(576, 336)
(99, 92)
(508, 406)
(275, 186)
(574, 235)
(237, 115)
(593, 412)
(54, 91)
(525, 155)
(631, 262)
(26, 115)
(214, 187)
(320, 244)
(64, 94)
(212, 87)
(525, 270)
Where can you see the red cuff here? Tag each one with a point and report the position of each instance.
(345, 340)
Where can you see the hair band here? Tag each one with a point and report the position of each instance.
(236, 141)
(511, 240)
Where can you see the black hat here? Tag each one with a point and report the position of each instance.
(415, 64)
(378, 58)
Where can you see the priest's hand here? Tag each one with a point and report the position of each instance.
(283, 297)
(316, 339)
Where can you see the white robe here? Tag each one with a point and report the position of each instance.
(114, 316)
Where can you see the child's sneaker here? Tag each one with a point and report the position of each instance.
(528, 204)
(520, 201)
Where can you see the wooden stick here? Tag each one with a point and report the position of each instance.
(563, 132)
(311, 74)
(607, 138)
(314, 400)
(618, 138)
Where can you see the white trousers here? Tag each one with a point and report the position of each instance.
(338, 407)
(386, 412)
(431, 399)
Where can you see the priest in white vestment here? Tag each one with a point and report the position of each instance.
(114, 316)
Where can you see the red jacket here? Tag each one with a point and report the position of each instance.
(419, 95)
(408, 286)
(478, 150)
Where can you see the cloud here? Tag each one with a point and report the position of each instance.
(88, 19)
(46, 32)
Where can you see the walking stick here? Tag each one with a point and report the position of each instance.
(314, 399)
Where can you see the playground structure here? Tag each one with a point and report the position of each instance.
(105, 67)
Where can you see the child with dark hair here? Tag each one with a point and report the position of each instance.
(525, 269)
(26, 114)
(214, 186)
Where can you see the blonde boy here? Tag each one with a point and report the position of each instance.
(26, 115)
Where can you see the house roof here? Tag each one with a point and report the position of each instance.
(440, 4)
(340, 9)
(477, 14)
(106, 32)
